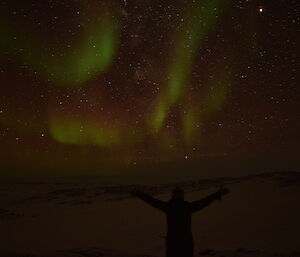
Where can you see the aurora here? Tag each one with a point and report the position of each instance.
(138, 82)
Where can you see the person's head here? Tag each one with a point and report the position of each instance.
(178, 194)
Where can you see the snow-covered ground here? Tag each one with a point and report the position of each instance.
(260, 217)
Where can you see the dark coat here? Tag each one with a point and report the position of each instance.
(179, 241)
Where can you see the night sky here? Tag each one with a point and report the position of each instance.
(99, 84)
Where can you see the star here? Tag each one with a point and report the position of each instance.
(149, 81)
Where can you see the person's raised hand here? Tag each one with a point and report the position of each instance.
(223, 191)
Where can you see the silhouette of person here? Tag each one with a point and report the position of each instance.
(179, 240)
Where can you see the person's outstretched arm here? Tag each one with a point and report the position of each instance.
(156, 203)
(202, 203)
